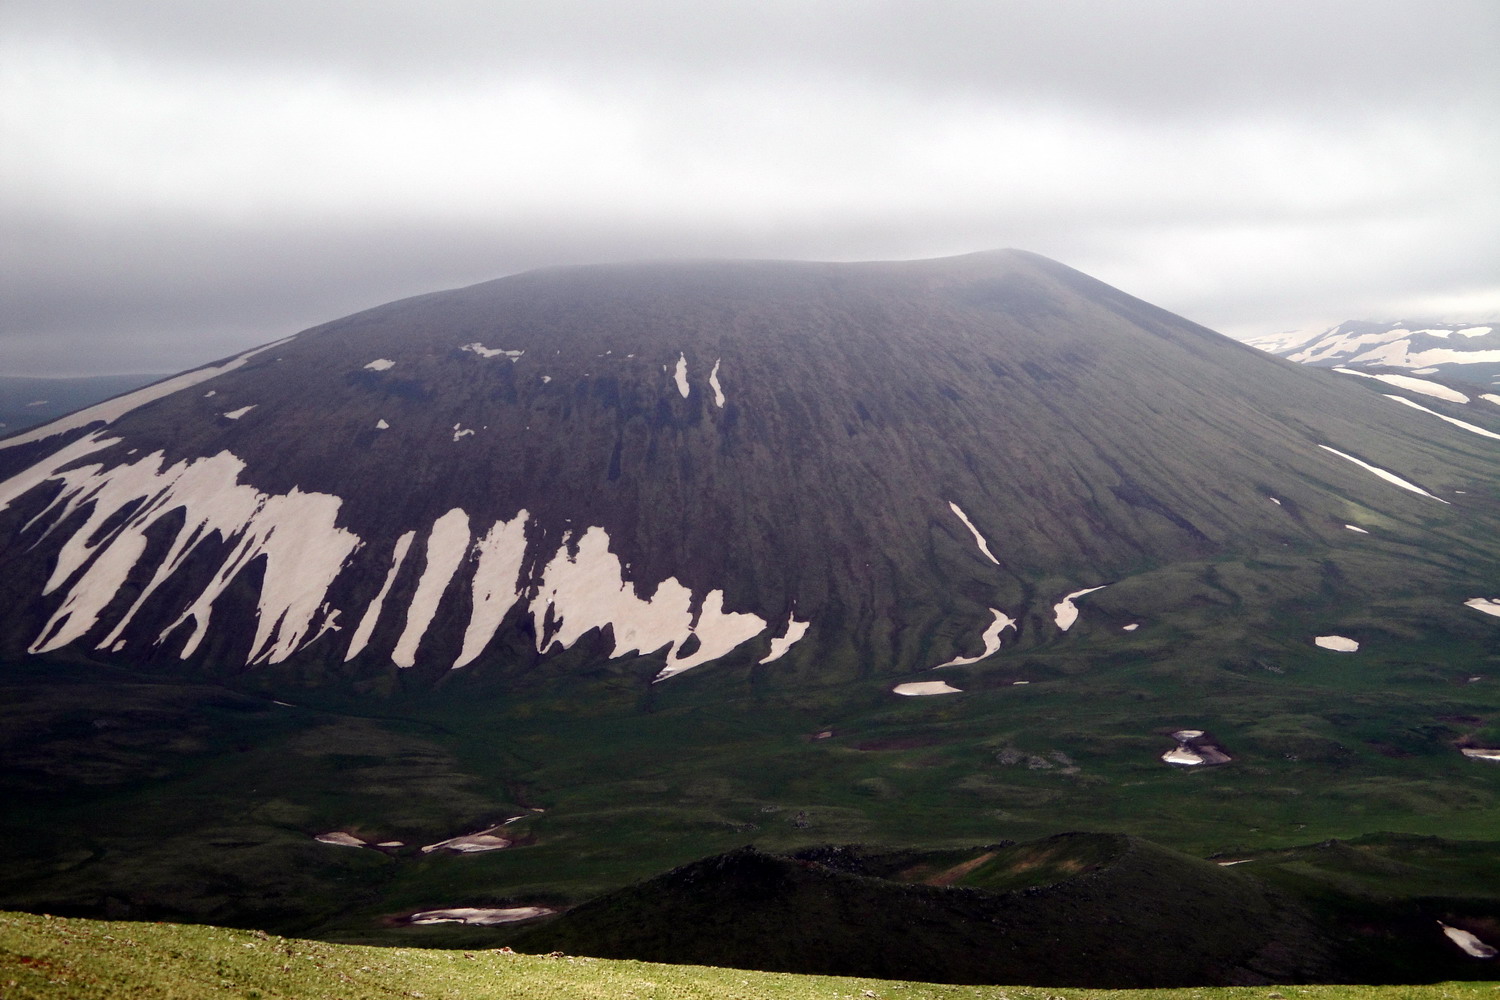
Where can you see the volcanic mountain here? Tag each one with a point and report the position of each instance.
(813, 471)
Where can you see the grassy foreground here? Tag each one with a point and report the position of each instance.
(51, 958)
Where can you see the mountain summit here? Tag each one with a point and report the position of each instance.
(823, 470)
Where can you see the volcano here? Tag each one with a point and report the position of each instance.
(807, 471)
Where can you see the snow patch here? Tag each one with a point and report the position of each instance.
(588, 590)
(713, 383)
(495, 588)
(991, 641)
(1471, 945)
(236, 414)
(1337, 643)
(460, 432)
(339, 839)
(718, 632)
(481, 916)
(1355, 527)
(471, 843)
(1389, 477)
(1471, 428)
(446, 545)
(794, 632)
(1481, 753)
(1182, 756)
(1420, 385)
(1065, 612)
(681, 375)
(381, 365)
(296, 536)
(917, 689)
(496, 352)
(372, 613)
(1130, 628)
(1488, 605)
(381, 425)
(1490, 397)
(113, 409)
(1475, 331)
(1274, 500)
(980, 540)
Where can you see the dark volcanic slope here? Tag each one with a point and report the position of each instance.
(1116, 912)
(874, 462)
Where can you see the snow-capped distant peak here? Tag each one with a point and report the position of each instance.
(1466, 352)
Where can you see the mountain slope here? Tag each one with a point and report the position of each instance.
(838, 469)
(1076, 910)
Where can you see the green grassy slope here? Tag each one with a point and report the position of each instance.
(213, 797)
(43, 958)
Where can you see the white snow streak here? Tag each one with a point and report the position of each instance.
(991, 641)
(1490, 397)
(339, 839)
(500, 553)
(681, 375)
(236, 414)
(1490, 606)
(794, 632)
(1471, 945)
(1471, 428)
(1475, 331)
(713, 383)
(446, 545)
(718, 632)
(496, 352)
(1400, 355)
(372, 613)
(298, 548)
(381, 365)
(1424, 387)
(1337, 643)
(295, 535)
(1389, 477)
(1066, 612)
(484, 917)
(1182, 756)
(1355, 527)
(589, 590)
(980, 540)
(113, 409)
(921, 688)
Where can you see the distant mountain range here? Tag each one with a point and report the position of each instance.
(1468, 353)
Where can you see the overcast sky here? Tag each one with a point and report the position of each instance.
(183, 179)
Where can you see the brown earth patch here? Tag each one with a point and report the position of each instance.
(958, 871)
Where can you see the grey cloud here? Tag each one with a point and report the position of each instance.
(1239, 163)
(1152, 56)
